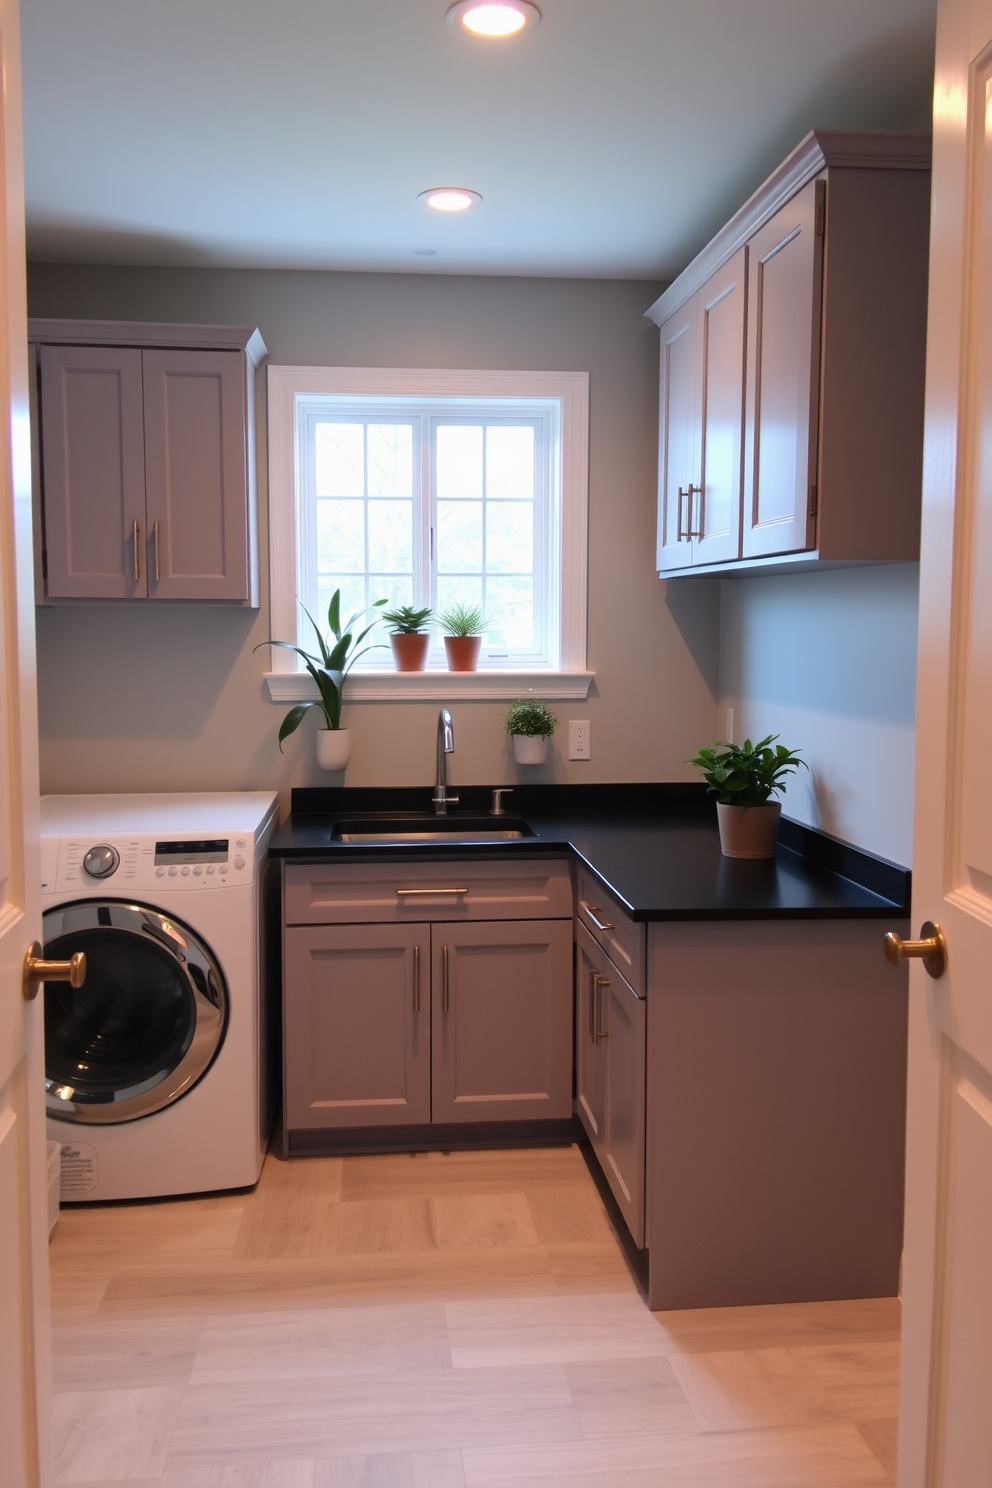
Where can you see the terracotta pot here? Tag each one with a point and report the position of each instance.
(410, 650)
(530, 749)
(749, 831)
(462, 652)
(333, 748)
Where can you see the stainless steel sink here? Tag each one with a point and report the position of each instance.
(454, 830)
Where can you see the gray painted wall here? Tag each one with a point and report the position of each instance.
(171, 698)
(828, 660)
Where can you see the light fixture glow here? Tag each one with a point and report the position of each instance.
(449, 198)
(494, 19)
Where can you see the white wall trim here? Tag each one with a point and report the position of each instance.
(571, 389)
(435, 686)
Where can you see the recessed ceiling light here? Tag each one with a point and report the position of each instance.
(494, 19)
(449, 198)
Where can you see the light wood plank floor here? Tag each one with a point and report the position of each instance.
(437, 1321)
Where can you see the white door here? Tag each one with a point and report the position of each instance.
(716, 509)
(678, 444)
(945, 1435)
(24, 1328)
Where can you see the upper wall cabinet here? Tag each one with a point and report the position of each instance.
(144, 461)
(792, 368)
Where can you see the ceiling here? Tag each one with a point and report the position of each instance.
(611, 141)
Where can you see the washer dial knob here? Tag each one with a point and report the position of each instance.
(102, 861)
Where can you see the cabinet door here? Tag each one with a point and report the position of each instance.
(196, 474)
(590, 1048)
(357, 1025)
(94, 472)
(678, 435)
(502, 1020)
(783, 340)
(621, 1015)
(716, 508)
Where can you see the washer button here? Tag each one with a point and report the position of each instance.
(240, 842)
(159, 872)
(173, 872)
(184, 870)
(102, 861)
(210, 870)
(239, 862)
(197, 870)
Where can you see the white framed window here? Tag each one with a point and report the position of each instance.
(432, 488)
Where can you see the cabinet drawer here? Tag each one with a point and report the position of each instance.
(622, 938)
(358, 893)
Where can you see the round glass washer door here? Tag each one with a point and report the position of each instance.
(146, 1023)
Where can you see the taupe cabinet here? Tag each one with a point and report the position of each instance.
(419, 993)
(610, 1074)
(144, 461)
(792, 367)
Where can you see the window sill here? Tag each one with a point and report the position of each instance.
(437, 686)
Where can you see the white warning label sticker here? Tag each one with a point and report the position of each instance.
(79, 1170)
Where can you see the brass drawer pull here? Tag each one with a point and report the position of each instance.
(36, 970)
(593, 983)
(601, 1033)
(408, 893)
(600, 924)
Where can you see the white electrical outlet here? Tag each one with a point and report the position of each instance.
(728, 735)
(579, 746)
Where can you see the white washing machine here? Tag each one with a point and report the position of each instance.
(155, 1068)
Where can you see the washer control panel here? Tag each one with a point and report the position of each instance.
(144, 863)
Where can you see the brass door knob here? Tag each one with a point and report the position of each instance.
(931, 949)
(37, 970)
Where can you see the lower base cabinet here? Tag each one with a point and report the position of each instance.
(610, 1049)
(398, 1025)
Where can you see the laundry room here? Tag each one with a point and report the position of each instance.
(475, 486)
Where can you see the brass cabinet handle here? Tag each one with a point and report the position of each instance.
(416, 979)
(407, 893)
(158, 575)
(931, 949)
(601, 1033)
(600, 924)
(445, 986)
(37, 970)
(137, 553)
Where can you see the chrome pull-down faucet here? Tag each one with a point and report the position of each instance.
(445, 745)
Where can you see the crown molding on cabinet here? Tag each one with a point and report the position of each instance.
(148, 333)
(878, 149)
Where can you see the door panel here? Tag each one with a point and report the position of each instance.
(25, 1363)
(625, 1143)
(357, 1026)
(94, 464)
(502, 1019)
(678, 459)
(717, 508)
(783, 348)
(945, 1435)
(196, 474)
(590, 1050)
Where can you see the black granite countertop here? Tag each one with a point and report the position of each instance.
(655, 847)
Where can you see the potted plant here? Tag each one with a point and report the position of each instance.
(530, 723)
(409, 636)
(463, 628)
(329, 670)
(742, 777)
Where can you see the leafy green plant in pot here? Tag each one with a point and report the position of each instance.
(463, 628)
(329, 670)
(409, 636)
(743, 777)
(530, 723)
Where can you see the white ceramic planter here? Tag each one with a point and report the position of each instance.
(530, 749)
(749, 831)
(333, 748)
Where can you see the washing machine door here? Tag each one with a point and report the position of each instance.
(146, 1023)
